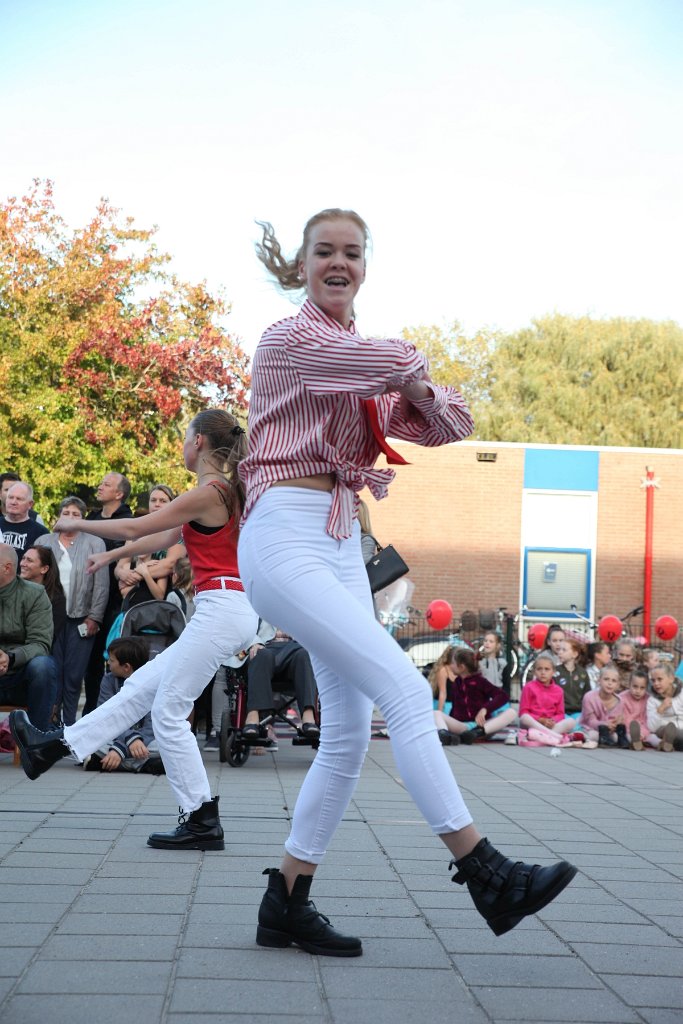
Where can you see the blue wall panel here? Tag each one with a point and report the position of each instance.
(564, 470)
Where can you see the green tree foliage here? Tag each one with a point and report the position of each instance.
(104, 354)
(571, 380)
(456, 359)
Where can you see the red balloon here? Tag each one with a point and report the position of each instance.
(537, 635)
(666, 627)
(439, 614)
(609, 628)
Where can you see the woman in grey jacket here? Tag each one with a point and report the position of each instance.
(86, 600)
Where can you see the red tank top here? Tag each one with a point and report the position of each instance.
(212, 554)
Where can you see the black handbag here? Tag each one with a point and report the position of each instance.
(385, 567)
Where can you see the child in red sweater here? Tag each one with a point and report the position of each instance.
(541, 705)
(479, 707)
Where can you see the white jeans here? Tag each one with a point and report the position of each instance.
(222, 624)
(316, 588)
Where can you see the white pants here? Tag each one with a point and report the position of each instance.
(316, 588)
(222, 624)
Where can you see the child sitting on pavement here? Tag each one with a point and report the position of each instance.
(492, 665)
(624, 657)
(541, 705)
(665, 708)
(479, 708)
(599, 655)
(634, 711)
(601, 711)
(135, 750)
(572, 676)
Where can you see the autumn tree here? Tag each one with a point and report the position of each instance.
(104, 353)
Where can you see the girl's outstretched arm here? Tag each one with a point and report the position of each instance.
(145, 546)
(192, 505)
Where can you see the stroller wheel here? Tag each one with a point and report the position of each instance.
(238, 751)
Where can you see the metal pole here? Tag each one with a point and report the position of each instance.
(650, 485)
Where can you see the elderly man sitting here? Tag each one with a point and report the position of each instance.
(27, 672)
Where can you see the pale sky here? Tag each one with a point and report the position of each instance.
(512, 158)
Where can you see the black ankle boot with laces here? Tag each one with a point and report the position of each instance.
(200, 830)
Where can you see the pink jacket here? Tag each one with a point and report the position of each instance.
(541, 701)
(634, 711)
(594, 713)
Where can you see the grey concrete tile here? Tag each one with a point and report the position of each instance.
(636, 960)
(614, 935)
(548, 973)
(102, 947)
(130, 903)
(14, 961)
(65, 977)
(394, 1011)
(660, 1016)
(520, 942)
(80, 1009)
(120, 924)
(640, 991)
(247, 964)
(206, 995)
(428, 984)
(24, 934)
(574, 1006)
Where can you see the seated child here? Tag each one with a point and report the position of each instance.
(135, 750)
(624, 657)
(541, 705)
(601, 711)
(441, 679)
(492, 665)
(479, 707)
(665, 708)
(572, 676)
(650, 659)
(599, 655)
(554, 638)
(634, 711)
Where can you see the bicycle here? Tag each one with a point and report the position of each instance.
(624, 619)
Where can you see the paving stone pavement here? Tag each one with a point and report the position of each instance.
(96, 925)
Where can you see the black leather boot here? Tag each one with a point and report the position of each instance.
(622, 739)
(200, 830)
(284, 918)
(38, 750)
(471, 735)
(504, 891)
(605, 737)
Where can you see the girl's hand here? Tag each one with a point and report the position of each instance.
(664, 706)
(480, 718)
(111, 761)
(97, 561)
(138, 750)
(68, 524)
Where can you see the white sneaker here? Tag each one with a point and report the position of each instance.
(511, 740)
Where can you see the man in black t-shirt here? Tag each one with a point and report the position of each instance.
(18, 530)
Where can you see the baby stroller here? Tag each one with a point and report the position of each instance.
(233, 747)
(158, 623)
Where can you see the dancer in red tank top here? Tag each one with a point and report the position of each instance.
(207, 519)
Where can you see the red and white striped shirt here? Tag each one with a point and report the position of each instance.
(309, 376)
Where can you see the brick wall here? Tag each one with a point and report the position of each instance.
(457, 523)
